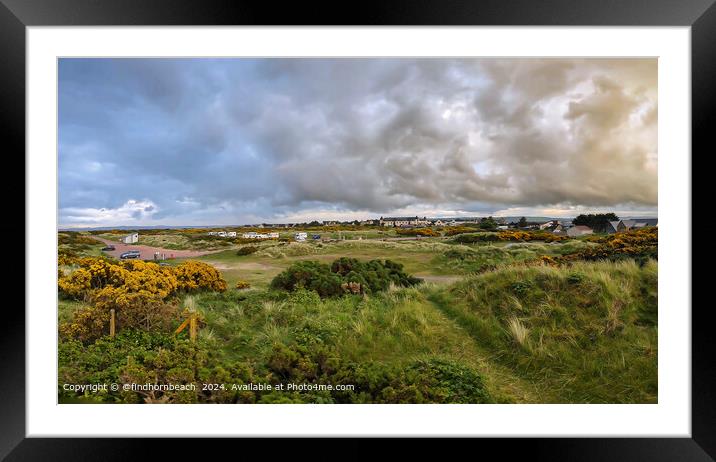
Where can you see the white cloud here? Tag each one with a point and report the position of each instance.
(131, 212)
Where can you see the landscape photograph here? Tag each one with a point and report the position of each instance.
(357, 231)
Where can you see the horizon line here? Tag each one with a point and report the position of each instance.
(62, 227)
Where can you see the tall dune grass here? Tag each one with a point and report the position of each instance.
(587, 331)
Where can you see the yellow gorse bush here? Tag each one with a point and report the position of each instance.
(194, 275)
(138, 291)
(455, 230)
(242, 285)
(516, 235)
(138, 276)
(642, 242)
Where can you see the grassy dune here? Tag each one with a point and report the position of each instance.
(583, 333)
(395, 329)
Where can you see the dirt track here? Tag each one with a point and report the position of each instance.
(147, 252)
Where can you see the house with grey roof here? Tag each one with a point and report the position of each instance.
(626, 225)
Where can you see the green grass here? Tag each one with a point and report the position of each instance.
(393, 328)
(584, 333)
(261, 267)
(579, 333)
(433, 258)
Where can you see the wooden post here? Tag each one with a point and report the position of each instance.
(111, 323)
(182, 326)
(192, 327)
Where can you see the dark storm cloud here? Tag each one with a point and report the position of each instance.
(222, 141)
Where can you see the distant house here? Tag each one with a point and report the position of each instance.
(626, 225)
(403, 221)
(643, 222)
(439, 222)
(130, 238)
(613, 227)
(231, 234)
(550, 225)
(300, 236)
(503, 227)
(579, 230)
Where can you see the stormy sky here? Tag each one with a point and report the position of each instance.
(237, 141)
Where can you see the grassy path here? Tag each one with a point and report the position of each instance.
(502, 382)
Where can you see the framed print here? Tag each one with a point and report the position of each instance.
(444, 222)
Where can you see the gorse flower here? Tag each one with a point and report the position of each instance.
(139, 292)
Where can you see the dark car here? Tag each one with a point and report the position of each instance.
(109, 248)
(130, 254)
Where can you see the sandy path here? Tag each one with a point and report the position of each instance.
(438, 279)
(247, 266)
(147, 252)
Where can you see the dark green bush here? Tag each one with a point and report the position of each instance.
(473, 238)
(422, 381)
(328, 281)
(310, 275)
(247, 250)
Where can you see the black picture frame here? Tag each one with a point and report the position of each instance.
(700, 15)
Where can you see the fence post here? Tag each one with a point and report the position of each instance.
(192, 327)
(111, 323)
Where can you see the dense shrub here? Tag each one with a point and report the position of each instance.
(242, 285)
(66, 257)
(526, 236)
(247, 250)
(195, 275)
(640, 245)
(422, 381)
(455, 230)
(310, 275)
(142, 357)
(422, 232)
(75, 238)
(141, 293)
(512, 235)
(476, 237)
(342, 275)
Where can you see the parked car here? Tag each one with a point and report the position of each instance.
(109, 248)
(130, 254)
